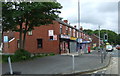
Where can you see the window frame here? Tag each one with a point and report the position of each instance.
(41, 43)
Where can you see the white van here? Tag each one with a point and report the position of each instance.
(109, 48)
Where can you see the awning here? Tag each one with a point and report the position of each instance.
(79, 40)
(85, 42)
(73, 38)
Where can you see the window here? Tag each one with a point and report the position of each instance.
(51, 37)
(77, 35)
(70, 31)
(18, 43)
(39, 43)
(60, 28)
(29, 32)
(73, 32)
(66, 30)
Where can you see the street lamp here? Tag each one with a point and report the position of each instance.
(78, 14)
(99, 36)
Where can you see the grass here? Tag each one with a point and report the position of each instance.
(4, 58)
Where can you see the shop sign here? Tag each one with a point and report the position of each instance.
(86, 42)
(73, 38)
(50, 32)
(5, 38)
(65, 36)
(79, 40)
(55, 37)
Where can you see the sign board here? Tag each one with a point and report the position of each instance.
(55, 37)
(86, 42)
(65, 36)
(73, 38)
(79, 40)
(5, 38)
(50, 32)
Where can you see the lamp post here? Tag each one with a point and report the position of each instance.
(78, 14)
(99, 36)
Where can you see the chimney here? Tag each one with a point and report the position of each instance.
(81, 28)
(66, 21)
(75, 26)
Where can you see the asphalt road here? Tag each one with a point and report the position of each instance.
(58, 64)
(113, 69)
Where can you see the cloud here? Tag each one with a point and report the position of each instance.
(92, 13)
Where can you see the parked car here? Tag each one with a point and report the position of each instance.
(118, 47)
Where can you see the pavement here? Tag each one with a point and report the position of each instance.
(60, 64)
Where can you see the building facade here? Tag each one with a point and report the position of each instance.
(59, 37)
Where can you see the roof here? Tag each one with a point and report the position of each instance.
(66, 24)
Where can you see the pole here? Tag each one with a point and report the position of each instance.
(78, 14)
(99, 36)
(73, 61)
(10, 66)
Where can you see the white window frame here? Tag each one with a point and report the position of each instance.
(30, 33)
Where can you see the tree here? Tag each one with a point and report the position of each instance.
(88, 31)
(113, 38)
(23, 17)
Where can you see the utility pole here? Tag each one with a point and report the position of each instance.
(99, 36)
(78, 14)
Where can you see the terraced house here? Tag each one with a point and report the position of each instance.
(59, 37)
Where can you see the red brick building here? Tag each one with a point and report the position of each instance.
(95, 41)
(58, 37)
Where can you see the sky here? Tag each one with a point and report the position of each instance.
(93, 13)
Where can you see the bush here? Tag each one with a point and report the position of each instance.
(5, 58)
(21, 54)
(52, 54)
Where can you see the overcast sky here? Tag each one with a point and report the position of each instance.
(92, 13)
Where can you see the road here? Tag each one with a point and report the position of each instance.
(58, 64)
(113, 68)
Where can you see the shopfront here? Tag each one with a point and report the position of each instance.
(64, 44)
(85, 45)
(79, 45)
(73, 44)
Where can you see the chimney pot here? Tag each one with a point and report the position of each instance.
(75, 26)
(66, 21)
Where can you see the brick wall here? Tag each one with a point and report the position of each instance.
(31, 41)
(95, 40)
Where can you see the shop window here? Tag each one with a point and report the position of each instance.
(39, 43)
(29, 32)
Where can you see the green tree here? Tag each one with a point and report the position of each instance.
(113, 38)
(34, 14)
(88, 31)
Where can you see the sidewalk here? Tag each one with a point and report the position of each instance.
(59, 64)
